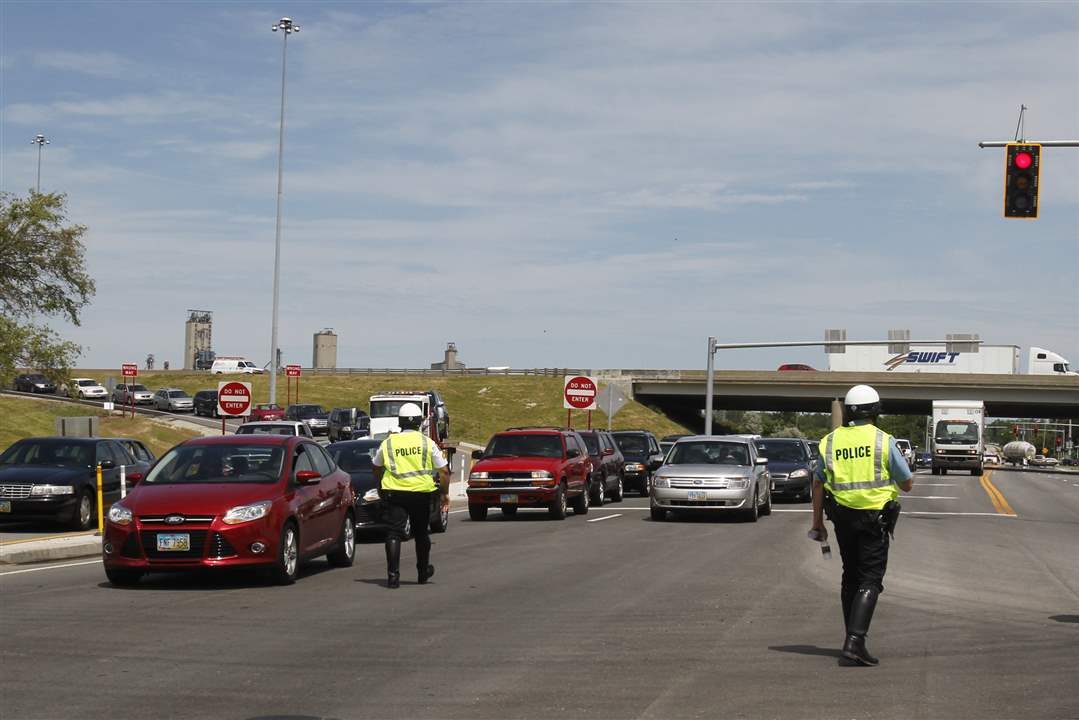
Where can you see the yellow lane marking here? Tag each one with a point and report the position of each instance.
(47, 537)
(995, 496)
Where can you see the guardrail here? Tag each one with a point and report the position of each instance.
(149, 412)
(543, 372)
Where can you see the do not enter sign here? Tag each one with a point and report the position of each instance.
(234, 399)
(579, 393)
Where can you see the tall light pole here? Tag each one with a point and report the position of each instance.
(287, 27)
(41, 141)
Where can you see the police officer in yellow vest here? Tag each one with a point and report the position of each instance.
(409, 467)
(862, 473)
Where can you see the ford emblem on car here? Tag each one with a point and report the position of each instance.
(697, 482)
(174, 519)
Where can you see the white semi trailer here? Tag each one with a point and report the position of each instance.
(958, 429)
(990, 359)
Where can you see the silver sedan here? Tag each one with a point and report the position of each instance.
(714, 474)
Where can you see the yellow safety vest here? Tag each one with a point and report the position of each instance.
(856, 467)
(409, 462)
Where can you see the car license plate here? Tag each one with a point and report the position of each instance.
(697, 495)
(504, 499)
(5, 506)
(174, 542)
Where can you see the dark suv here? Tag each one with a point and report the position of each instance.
(606, 481)
(542, 467)
(206, 403)
(791, 464)
(348, 424)
(641, 451)
(316, 418)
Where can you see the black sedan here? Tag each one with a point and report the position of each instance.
(34, 383)
(354, 457)
(55, 478)
(790, 464)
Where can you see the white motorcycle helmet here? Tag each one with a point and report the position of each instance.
(410, 416)
(861, 402)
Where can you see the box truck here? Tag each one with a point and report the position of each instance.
(958, 428)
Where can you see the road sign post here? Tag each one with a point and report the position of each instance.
(128, 371)
(578, 393)
(292, 371)
(233, 400)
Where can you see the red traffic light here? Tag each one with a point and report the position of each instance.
(1060, 440)
(1023, 160)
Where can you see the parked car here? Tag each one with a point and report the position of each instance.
(795, 367)
(347, 424)
(790, 465)
(354, 457)
(904, 447)
(713, 473)
(173, 400)
(132, 394)
(34, 383)
(1044, 461)
(55, 478)
(923, 460)
(641, 451)
(607, 462)
(292, 428)
(316, 418)
(85, 389)
(205, 403)
(233, 501)
(530, 467)
(267, 411)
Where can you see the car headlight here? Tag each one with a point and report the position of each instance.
(799, 474)
(738, 483)
(119, 515)
(346, 428)
(52, 490)
(634, 467)
(247, 513)
(973, 451)
(541, 475)
(481, 475)
(661, 482)
(940, 452)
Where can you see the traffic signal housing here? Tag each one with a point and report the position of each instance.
(1022, 168)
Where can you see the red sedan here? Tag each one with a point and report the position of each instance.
(229, 501)
(267, 411)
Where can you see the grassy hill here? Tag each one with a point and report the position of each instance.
(20, 417)
(479, 405)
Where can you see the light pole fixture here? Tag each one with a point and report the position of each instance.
(41, 141)
(287, 27)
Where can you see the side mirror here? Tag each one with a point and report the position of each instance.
(655, 461)
(134, 477)
(307, 477)
(762, 460)
(107, 464)
(572, 453)
(477, 454)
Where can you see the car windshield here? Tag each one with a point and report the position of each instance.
(86, 383)
(355, 458)
(178, 394)
(249, 364)
(777, 451)
(38, 379)
(549, 446)
(308, 411)
(708, 452)
(632, 443)
(262, 407)
(957, 432)
(266, 430)
(592, 443)
(48, 452)
(193, 464)
(138, 388)
(388, 408)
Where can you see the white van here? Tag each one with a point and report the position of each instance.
(224, 365)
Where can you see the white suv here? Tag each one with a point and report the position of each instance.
(292, 428)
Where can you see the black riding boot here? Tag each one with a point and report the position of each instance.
(847, 596)
(393, 562)
(424, 568)
(861, 614)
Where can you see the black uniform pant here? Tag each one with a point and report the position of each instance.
(415, 507)
(863, 545)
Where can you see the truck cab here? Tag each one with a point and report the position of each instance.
(1047, 362)
(385, 406)
(958, 443)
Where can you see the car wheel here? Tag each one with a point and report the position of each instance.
(754, 510)
(767, 509)
(557, 508)
(658, 514)
(441, 519)
(943, 471)
(600, 494)
(288, 555)
(345, 552)
(82, 517)
(122, 577)
(646, 484)
(509, 510)
(581, 503)
(619, 491)
(477, 512)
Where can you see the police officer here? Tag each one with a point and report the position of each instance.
(862, 472)
(406, 467)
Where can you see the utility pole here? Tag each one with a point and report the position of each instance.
(41, 141)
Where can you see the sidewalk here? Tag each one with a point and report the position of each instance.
(54, 547)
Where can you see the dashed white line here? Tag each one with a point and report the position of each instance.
(50, 567)
(605, 517)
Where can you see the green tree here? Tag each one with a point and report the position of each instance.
(42, 273)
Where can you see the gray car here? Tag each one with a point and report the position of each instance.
(173, 400)
(714, 474)
(132, 394)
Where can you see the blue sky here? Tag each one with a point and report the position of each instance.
(552, 184)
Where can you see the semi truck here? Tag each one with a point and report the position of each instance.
(958, 430)
(990, 359)
(385, 406)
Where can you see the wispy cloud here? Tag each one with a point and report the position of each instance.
(97, 64)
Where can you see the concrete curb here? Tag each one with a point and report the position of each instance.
(64, 548)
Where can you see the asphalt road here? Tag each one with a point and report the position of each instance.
(609, 615)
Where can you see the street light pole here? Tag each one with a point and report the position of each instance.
(711, 379)
(287, 27)
(41, 141)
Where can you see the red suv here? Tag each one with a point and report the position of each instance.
(530, 467)
(230, 501)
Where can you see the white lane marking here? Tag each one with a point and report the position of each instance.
(454, 512)
(605, 517)
(929, 497)
(50, 567)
